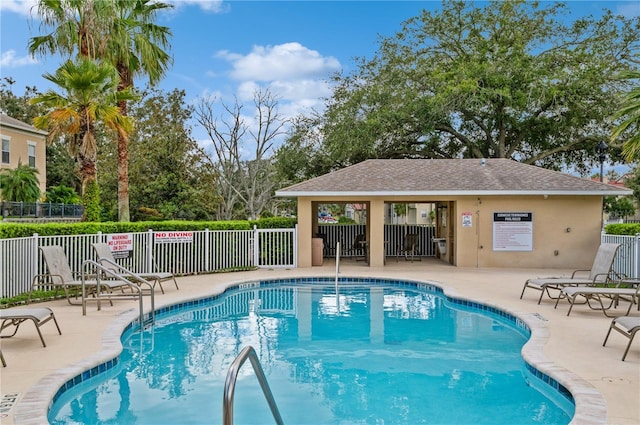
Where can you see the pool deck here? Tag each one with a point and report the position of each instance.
(567, 348)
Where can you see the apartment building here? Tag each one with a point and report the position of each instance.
(23, 143)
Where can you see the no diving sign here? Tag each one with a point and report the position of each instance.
(173, 237)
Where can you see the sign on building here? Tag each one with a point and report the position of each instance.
(513, 231)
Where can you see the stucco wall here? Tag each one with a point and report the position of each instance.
(565, 229)
(19, 142)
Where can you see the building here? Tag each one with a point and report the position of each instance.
(489, 212)
(25, 144)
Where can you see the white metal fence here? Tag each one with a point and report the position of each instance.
(627, 260)
(209, 251)
(200, 252)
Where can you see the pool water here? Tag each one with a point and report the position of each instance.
(380, 354)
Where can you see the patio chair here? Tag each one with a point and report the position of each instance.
(627, 326)
(600, 273)
(411, 247)
(15, 316)
(95, 280)
(358, 248)
(107, 260)
(606, 297)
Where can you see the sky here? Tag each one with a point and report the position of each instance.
(228, 49)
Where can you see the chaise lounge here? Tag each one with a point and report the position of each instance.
(17, 315)
(606, 297)
(627, 326)
(600, 273)
(96, 283)
(107, 260)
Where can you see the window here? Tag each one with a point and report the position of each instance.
(31, 148)
(6, 158)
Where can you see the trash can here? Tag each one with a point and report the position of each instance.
(316, 252)
(442, 245)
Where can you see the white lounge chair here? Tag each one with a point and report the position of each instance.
(106, 259)
(600, 273)
(606, 297)
(627, 326)
(15, 316)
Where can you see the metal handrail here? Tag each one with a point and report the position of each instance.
(337, 263)
(133, 281)
(230, 385)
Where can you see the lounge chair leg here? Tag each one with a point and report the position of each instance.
(4, 363)
(523, 289)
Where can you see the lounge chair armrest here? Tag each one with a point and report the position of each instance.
(39, 279)
(603, 279)
(573, 275)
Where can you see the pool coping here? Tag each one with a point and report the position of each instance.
(33, 408)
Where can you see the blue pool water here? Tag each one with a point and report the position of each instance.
(378, 353)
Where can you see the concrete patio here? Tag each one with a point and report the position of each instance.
(573, 347)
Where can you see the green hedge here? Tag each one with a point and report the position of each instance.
(630, 229)
(18, 230)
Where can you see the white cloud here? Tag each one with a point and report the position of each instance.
(9, 60)
(22, 7)
(280, 62)
(214, 6)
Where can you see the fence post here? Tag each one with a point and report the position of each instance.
(636, 260)
(206, 250)
(149, 251)
(34, 254)
(256, 247)
(295, 246)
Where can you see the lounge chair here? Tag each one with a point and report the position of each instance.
(627, 326)
(17, 315)
(606, 297)
(60, 276)
(358, 248)
(107, 260)
(411, 247)
(600, 273)
(96, 281)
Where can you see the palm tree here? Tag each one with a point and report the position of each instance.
(119, 31)
(20, 184)
(630, 112)
(76, 24)
(135, 46)
(91, 99)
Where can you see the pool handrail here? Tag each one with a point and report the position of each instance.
(230, 384)
(337, 263)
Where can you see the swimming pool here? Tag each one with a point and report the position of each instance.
(377, 351)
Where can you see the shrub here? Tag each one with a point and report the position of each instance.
(630, 229)
(91, 202)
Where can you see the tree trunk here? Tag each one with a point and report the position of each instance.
(123, 149)
(123, 178)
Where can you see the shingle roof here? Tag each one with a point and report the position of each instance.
(7, 121)
(493, 176)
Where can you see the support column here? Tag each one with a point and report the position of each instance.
(305, 231)
(375, 221)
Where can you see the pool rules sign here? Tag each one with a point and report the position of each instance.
(513, 231)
